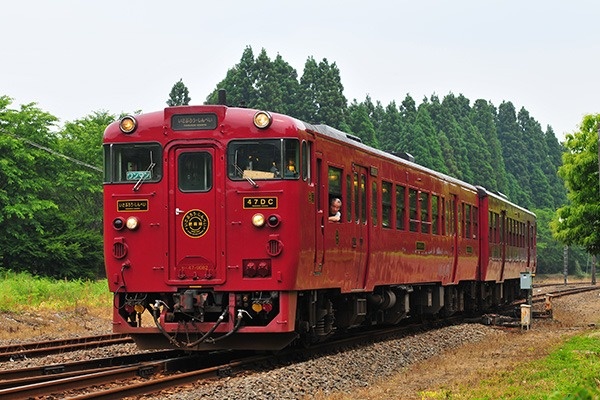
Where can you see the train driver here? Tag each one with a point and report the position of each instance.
(334, 210)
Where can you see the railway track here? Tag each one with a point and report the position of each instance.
(36, 349)
(152, 372)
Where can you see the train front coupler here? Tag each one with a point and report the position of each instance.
(159, 307)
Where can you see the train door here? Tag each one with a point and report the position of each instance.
(360, 230)
(503, 241)
(453, 230)
(195, 240)
(320, 219)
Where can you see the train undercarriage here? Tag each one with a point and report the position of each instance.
(241, 320)
(323, 313)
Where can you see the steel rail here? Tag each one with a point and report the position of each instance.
(23, 376)
(33, 349)
(59, 386)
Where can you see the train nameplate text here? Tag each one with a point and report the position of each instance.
(193, 122)
(132, 205)
(260, 202)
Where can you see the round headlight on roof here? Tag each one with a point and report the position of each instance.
(262, 119)
(127, 124)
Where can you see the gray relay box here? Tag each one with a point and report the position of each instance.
(526, 280)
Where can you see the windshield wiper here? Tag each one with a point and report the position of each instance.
(250, 181)
(150, 169)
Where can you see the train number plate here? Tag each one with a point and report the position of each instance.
(260, 202)
(132, 205)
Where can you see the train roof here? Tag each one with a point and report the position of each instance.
(352, 140)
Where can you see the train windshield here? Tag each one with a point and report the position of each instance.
(134, 163)
(263, 159)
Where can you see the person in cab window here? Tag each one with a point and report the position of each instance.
(334, 210)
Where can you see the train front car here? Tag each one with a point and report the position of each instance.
(202, 226)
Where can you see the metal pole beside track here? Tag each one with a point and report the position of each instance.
(566, 263)
(594, 257)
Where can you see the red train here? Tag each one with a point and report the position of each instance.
(217, 232)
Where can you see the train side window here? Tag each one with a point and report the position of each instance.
(424, 206)
(195, 172)
(448, 218)
(435, 215)
(400, 207)
(374, 202)
(356, 194)
(363, 198)
(443, 216)
(412, 210)
(386, 204)
(490, 227)
(348, 198)
(306, 154)
(467, 213)
(475, 222)
(291, 155)
(451, 217)
(335, 185)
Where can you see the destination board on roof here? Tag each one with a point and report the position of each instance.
(193, 122)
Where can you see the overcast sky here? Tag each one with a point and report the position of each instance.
(76, 57)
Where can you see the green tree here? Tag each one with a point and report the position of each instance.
(578, 222)
(483, 115)
(80, 197)
(276, 85)
(361, 125)
(179, 95)
(391, 129)
(50, 193)
(426, 142)
(514, 153)
(239, 82)
(550, 167)
(27, 185)
(323, 100)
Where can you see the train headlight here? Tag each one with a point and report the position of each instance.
(132, 223)
(128, 124)
(258, 220)
(262, 119)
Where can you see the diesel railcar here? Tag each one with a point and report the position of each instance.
(217, 232)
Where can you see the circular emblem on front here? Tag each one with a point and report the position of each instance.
(195, 223)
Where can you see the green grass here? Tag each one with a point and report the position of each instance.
(22, 291)
(571, 371)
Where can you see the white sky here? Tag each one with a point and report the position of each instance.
(76, 57)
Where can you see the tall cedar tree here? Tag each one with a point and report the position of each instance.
(483, 115)
(179, 95)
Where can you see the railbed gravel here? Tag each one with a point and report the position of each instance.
(341, 372)
(322, 375)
